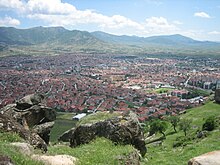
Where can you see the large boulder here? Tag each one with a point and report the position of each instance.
(29, 100)
(7, 124)
(56, 160)
(210, 158)
(33, 115)
(124, 130)
(217, 95)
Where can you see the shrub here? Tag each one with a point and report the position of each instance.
(209, 124)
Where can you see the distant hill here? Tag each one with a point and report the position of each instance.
(175, 40)
(39, 35)
(60, 40)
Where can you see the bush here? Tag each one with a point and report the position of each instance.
(209, 124)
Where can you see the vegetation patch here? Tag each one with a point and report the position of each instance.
(178, 148)
(99, 151)
(99, 116)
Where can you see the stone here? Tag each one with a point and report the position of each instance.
(210, 158)
(29, 100)
(8, 124)
(5, 160)
(44, 130)
(131, 159)
(123, 130)
(217, 96)
(33, 115)
(24, 148)
(65, 137)
(56, 160)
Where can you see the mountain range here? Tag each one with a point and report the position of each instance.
(59, 38)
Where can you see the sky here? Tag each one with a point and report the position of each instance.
(198, 19)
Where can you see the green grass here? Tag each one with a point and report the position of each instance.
(163, 90)
(167, 155)
(99, 152)
(92, 118)
(12, 152)
(63, 123)
(60, 126)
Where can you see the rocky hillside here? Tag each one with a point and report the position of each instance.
(28, 123)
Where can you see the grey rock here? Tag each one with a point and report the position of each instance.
(210, 158)
(11, 125)
(31, 112)
(55, 160)
(123, 130)
(5, 160)
(24, 148)
(65, 137)
(29, 100)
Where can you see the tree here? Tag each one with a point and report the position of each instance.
(158, 126)
(209, 124)
(174, 120)
(185, 125)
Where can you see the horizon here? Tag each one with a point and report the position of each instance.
(142, 18)
(108, 33)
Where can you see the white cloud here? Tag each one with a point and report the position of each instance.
(202, 15)
(160, 25)
(8, 21)
(57, 13)
(154, 2)
(50, 7)
(177, 22)
(214, 32)
(12, 4)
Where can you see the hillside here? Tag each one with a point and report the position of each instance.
(57, 40)
(167, 154)
(101, 150)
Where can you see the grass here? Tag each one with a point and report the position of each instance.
(163, 90)
(100, 151)
(11, 151)
(167, 155)
(92, 118)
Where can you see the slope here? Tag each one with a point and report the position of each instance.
(168, 155)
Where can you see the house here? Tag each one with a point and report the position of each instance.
(79, 116)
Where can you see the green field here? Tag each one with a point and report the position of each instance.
(167, 155)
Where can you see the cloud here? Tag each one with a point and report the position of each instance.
(57, 13)
(202, 15)
(214, 32)
(177, 22)
(160, 25)
(8, 21)
(12, 5)
(154, 2)
(49, 7)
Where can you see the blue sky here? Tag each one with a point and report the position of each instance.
(199, 19)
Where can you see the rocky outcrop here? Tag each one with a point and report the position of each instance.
(210, 158)
(23, 148)
(32, 114)
(217, 95)
(56, 160)
(125, 130)
(7, 124)
(66, 136)
(5, 160)
(132, 159)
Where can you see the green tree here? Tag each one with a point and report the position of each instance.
(158, 126)
(174, 120)
(185, 125)
(209, 124)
